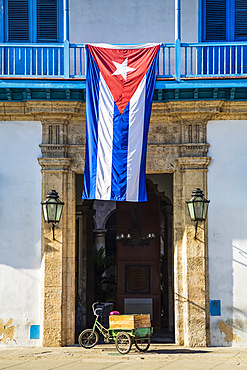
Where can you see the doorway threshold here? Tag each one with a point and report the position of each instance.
(162, 336)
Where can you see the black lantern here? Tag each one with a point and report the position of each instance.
(52, 209)
(197, 206)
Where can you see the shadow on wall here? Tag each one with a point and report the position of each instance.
(20, 194)
(21, 255)
(221, 285)
(232, 324)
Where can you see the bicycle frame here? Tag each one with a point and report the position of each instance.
(97, 325)
(102, 330)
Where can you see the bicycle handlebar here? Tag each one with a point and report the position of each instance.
(95, 309)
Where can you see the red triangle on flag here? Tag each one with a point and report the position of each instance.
(123, 69)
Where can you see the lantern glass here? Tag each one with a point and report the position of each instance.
(51, 211)
(205, 210)
(191, 210)
(198, 207)
(59, 211)
(45, 212)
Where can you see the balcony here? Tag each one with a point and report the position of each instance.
(180, 66)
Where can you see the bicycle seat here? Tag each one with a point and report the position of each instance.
(114, 313)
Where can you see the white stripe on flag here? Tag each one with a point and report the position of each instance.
(105, 142)
(135, 141)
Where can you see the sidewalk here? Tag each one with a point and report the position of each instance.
(106, 356)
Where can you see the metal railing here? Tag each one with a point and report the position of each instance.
(166, 64)
(176, 60)
(31, 60)
(214, 59)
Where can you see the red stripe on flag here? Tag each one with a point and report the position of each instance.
(124, 76)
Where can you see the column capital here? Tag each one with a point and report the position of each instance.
(54, 164)
(99, 231)
(193, 163)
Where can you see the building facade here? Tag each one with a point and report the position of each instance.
(191, 284)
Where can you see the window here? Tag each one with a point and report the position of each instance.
(18, 20)
(47, 20)
(224, 20)
(33, 20)
(240, 19)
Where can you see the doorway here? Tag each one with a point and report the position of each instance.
(137, 269)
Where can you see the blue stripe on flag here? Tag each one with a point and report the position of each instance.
(150, 83)
(119, 154)
(135, 144)
(92, 114)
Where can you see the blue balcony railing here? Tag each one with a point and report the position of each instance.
(166, 65)
(31, 60)
(176, 61)
(214, 59)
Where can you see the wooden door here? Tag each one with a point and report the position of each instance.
(138, 261)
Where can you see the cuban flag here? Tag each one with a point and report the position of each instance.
(120, 83)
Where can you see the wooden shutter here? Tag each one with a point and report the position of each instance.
(240, 19)
(215, 20)
(18, 20)
(47, 20)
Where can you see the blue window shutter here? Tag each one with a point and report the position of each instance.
(18, 20)
(215, 20)
(240, 19)
(47, 19)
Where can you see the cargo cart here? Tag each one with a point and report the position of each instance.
(124, 330)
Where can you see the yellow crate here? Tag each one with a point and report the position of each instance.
(129, 321)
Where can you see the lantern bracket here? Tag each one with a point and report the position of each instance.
(53, 231)
(196, 226)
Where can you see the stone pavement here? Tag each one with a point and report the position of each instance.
(105, 356)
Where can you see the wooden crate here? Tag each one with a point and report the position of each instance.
(129, 321)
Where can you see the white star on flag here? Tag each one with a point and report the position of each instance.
(122, 69)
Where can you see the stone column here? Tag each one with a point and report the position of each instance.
(58, 270)
(190, 257)
(81, 322)
(99, 237)
(58, 257)
(170, 267)
(85, 267)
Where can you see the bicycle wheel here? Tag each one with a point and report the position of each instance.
(123, 342)
(142, 344)
(88, 338)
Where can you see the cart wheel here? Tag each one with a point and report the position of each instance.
(142, 344)
(123, 342)
(88, 338)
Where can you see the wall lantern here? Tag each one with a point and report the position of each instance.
(128, 240)
(52, 209)
(197, 207)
